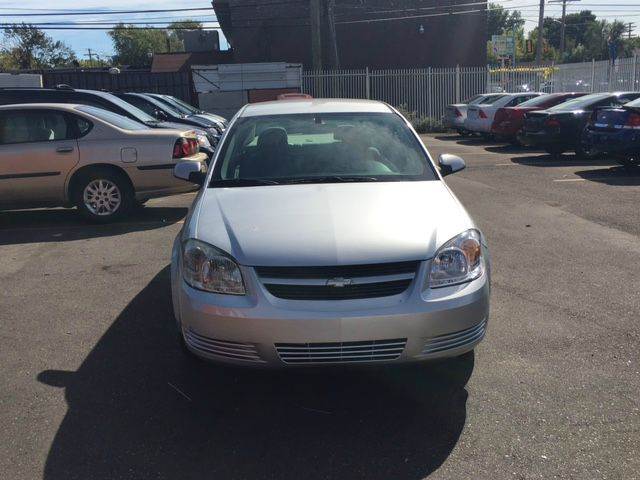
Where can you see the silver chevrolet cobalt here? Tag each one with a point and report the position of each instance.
(324, 234)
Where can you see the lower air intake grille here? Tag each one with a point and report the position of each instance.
(222, 348)
(344, 352)
(455, 340)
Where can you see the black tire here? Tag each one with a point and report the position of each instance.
(554, 151)
(110, 205)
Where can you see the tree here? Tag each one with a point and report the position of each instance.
(176, 30)
(501, 21)
(28, 48)
(135, 46)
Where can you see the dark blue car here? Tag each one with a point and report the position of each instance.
(615, 131)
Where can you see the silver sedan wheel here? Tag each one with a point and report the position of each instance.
(102, 197)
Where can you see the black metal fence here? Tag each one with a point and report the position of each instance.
(178, 84)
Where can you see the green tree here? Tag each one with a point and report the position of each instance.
(135, 46)
(28, 47)
(176, 30)
(501, 21)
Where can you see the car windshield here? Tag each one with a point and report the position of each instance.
(320, 148)
(170, 109)
(134, 111)
(537, 101)
(491, 99)
(475, 99)
(633, 103)
(182, 106)
(112, 118)
(580, 103)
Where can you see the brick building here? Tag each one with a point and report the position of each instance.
(369, 33)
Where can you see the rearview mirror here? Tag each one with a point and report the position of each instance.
(449, 164)
(190, 171)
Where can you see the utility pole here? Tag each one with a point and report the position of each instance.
(90, 55)
(335, 60)
(315, 14)
(562, 30)
(540, 34)
(631, 25)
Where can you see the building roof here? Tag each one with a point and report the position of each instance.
(324, 105)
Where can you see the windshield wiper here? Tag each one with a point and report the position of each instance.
(330, 179)
(242, 182)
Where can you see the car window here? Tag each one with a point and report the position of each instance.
(141, 103)
(115, 119)
(286, 148)
(83, 126)
(628, 97)
(580, 103)
(539, 101)
(33, 126)
(490, 100)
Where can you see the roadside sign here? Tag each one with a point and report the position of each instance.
(503, 45)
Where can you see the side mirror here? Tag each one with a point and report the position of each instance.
(160, 115)
(190, 171)
(449, 164)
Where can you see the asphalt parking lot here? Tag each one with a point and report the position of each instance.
(95, 386)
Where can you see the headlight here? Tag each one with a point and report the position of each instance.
(206, 268)
(203, 141)
(215, 131)
(460, 260)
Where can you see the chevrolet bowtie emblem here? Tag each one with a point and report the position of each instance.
(339, 282)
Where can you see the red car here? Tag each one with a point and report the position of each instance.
(509, 120)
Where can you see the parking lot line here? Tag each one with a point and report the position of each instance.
(569, 180)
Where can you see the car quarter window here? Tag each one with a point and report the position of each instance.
(81, 125)
(34, 126)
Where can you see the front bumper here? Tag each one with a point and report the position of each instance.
(261, 330)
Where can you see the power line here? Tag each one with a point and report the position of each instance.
(105, 12)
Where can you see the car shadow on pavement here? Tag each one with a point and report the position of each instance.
(511, 148)
(566, 160)
(449, 138)
(138, 407)
(59, 225)
(618, 175)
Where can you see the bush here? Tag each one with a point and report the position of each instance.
(422, 124)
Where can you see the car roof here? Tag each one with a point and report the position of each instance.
(323, 105)
(39, 106)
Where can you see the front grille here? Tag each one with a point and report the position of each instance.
(455, 340)
(222, 348)
(350, 292)
(341, 282)
(341, 352)
(347, 271)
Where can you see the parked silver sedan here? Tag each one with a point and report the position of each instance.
(99, 161)
(324, 234)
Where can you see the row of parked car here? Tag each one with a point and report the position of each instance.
(101, 152)
(587, 124)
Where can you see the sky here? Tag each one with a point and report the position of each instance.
(98, 41)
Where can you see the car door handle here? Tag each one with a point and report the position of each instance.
(64, 149)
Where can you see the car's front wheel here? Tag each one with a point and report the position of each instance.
(103, 195)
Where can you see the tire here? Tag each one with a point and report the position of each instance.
(554, 151)
(103, 195)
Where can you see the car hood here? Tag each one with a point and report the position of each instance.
(175, 126)
(329, 224)
(211, 117)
